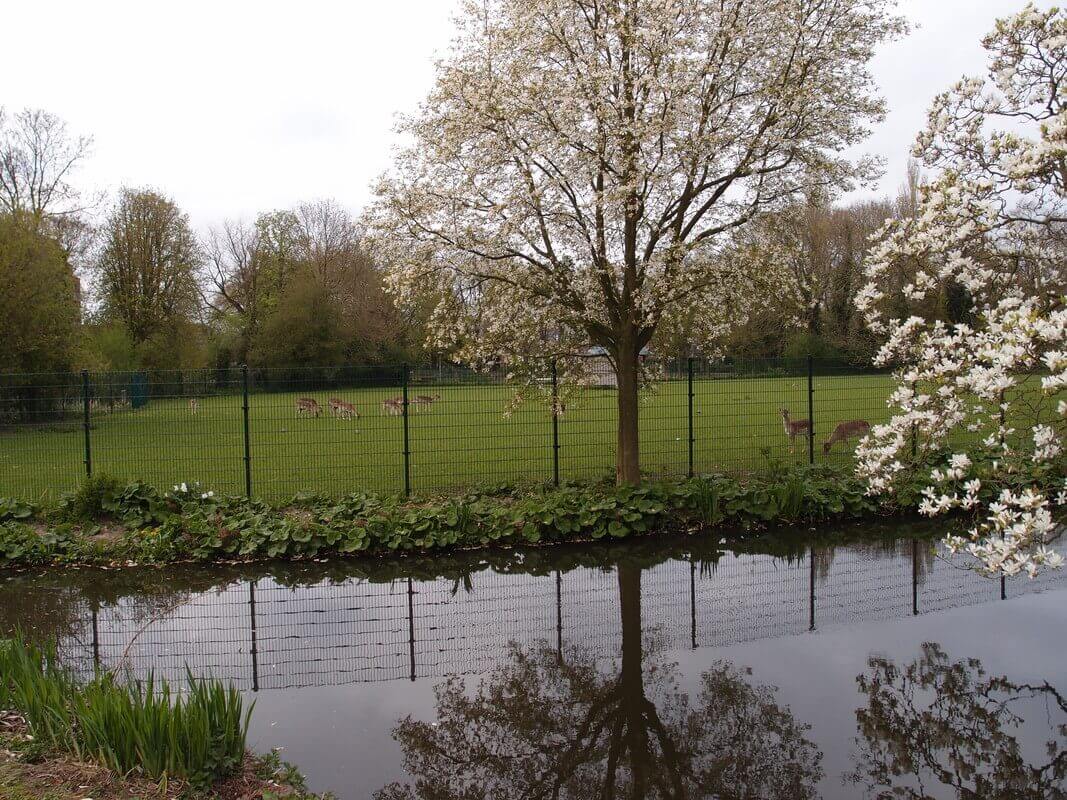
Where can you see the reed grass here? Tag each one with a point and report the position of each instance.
(128, 726)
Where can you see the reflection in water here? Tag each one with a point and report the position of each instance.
(545, 726)
(938, 721)
(606, 671)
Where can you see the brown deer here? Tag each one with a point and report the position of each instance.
(794, 428)
(194, 405)
(309, 406)
(425, 400)
(393, 406)
(845, 431)
(342, 409)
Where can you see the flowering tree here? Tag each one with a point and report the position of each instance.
(575, 174)
(979, 394)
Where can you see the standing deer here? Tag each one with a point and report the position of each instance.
(194, 405)
(846, 430)
(794, 428)
(424, 400)
(393, 406)
(308, 405)
(339, 408)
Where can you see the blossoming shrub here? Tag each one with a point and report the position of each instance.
(980, 351)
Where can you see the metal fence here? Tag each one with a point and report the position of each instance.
(274, 432)
(264, 635)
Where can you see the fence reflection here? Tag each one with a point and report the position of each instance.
(261, 634)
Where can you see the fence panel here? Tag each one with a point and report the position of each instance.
(343, 429)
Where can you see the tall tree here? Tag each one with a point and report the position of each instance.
(38, 158)
(39, 308)
(146, 264)
(249, 279)
(575, 172)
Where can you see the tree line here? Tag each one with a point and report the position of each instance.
(130, 285)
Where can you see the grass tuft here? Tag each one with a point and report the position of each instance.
(128, 726)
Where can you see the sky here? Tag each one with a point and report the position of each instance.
(233, 108)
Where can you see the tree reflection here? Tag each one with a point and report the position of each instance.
(939, 725)
(545, 726)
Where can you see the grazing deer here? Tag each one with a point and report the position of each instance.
(339, 408)
(194, 405)
(845, 431)
(559, 408)
(308, 405)
(794, 428)
(424, 400)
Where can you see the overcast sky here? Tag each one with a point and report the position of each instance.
(234, 108)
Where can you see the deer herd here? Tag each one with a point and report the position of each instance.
(394, 406)
(842, 433)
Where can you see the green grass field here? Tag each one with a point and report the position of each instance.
(464, 439)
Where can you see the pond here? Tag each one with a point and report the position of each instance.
(791, 668)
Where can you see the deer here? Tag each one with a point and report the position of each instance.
(339, 408)
(425, 400)
(393, 406)
(194, 405)
(308, 405)
(794, 428)
(845, 431)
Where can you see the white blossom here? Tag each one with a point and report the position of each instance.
(580, 178)
(988, 225)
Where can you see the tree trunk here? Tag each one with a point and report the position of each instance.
(627, 453)
(632, 680)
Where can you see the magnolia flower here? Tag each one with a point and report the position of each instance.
(994, 204)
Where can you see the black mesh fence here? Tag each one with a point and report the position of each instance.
(275, 432)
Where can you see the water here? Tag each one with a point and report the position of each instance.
(667, 668)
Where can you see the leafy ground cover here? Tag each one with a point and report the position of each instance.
(109, 522)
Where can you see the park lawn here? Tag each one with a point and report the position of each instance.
(464, 439)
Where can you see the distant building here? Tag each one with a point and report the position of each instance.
(601, 373)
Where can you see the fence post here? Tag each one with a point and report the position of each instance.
(693, 600)
(555, 424)
(85, 424)
(252, 632)
(915, 577)
(811, 410)
(689, 380)
(411, 627)
(559, 617)
(811, 588)
(407, 449)
(248, 443)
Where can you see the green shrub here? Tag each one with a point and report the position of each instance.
(142, 726)
(91, 500)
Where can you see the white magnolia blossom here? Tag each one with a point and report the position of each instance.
(977, 395)
(578, 172)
